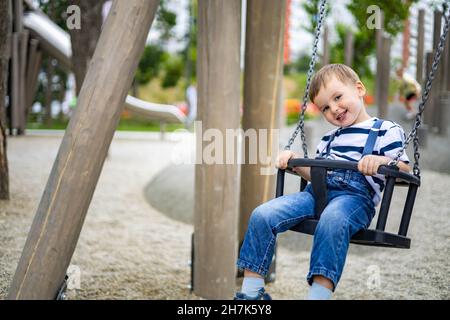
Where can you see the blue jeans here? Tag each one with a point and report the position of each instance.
(350, 208)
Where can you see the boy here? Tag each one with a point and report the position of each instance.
(352, 196)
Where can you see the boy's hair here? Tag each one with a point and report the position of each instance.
(342, 72)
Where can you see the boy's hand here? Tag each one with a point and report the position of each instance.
(283, 158)
(369, 164)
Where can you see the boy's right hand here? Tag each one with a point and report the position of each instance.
(283, 158)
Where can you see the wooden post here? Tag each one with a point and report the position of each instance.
(5, 55)
(446, 54)
(429, 107)
(437, 82)
(17, 15)
(262, 100)
(15, 84)
(349, 48)
(59, 218)
(446, 66)
(379, 51)
(22, 78)
(33, 67)
(384, 78)
(420, 45)
(326, 47)
(217, 185)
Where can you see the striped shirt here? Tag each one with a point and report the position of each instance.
(348, 144)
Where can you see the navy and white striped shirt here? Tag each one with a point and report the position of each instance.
(348, 144)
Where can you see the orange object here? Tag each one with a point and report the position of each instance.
(125, 114)
(369, 99)
(292, 107)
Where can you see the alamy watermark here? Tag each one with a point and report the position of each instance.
(214, 146)
(73, 20)
(374, 20)
(374, 278)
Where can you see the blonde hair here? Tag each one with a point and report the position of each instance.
(342, 72)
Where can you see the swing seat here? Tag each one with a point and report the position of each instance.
(366, 237)
(369, 237)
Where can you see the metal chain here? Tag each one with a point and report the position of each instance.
(301, 122)
(413, 134)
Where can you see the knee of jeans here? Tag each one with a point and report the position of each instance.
(260, 215)
(332, 221)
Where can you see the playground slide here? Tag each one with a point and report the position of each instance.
(56, 42)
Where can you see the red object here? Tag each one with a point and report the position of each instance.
(183, 108)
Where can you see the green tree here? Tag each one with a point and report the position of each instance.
(165, 21)
(190, 51)
(173, 70)
(395, 14)
(155, 59)
(312, 10)
(150, 63)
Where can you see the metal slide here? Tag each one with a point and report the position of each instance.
(56, 42)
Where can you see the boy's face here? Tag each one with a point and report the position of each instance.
(342, 103)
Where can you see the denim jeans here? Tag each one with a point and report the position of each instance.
(350, 208)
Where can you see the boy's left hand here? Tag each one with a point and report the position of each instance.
(369, 164)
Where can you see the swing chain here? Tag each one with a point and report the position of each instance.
(418, 121)
(301, 122)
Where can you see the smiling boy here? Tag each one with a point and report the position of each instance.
(352, 196)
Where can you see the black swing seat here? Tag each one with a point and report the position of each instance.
(370, 237)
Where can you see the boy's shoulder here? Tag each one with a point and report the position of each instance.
(389, 124)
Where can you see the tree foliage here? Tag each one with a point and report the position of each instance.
(395, 13)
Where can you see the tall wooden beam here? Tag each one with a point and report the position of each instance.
(15, 84)
(326, 46)
(262, 100)
(379, 49)
(349, 48)
(59, 218)
(437, 82)
(22, 78)
(429, 111)
(420, 45)
(33, 67)
(384, 70)
(217, 185)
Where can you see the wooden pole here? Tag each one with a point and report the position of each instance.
(217, 185)
(59, 218)
(5, 55)
(420, 45)
(15, 83)
(379, 51)
(17, 15)
(437, 82)
(384, 78)
(429, 107)
(33, 67)
(349, 48)
(326, 47)
(22, 78)
(262, 96)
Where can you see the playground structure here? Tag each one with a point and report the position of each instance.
(62, 210)
(44, 35)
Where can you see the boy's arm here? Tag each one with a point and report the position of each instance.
(369, 164)
(304, 172)
(283, 159)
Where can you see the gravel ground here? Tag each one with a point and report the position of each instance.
(129, 249)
